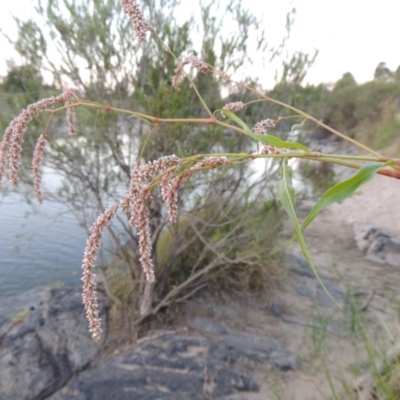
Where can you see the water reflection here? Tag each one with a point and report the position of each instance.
(40, 245)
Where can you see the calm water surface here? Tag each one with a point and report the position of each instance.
(39, 245)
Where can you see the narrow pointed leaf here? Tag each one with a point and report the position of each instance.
(279, 143)
(237, 120)
(344, 189)
(267, 139)
(287, 195)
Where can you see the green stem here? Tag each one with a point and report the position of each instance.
(303, 114)
(359, 158)
(145, 143)
(170, 52)
(322, 125)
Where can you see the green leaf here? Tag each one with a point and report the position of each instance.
(268, 139)
(237, 120)
(279, 143)
(286, 195)
(344, 189)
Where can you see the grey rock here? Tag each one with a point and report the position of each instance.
(322, 297)
(284, 361)
(378, 246)
(254, 347)
(244, 344)
(277, 308)
(334, 290)
(248, 396)
(225, 310)
(393, 245)
(333, 328)
(209, 326)
(262, 349)
(299, 266)
(362, 231)
(47, 353)
(16, 308)
(305, 290)
(363, 245)
(374, 259)
(393, 259)
(45, 343)
(170, 367)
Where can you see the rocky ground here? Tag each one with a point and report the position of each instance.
(294, 343)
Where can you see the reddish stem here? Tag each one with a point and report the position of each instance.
(390, 173)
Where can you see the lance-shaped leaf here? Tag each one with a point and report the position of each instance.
(233, 117)
(279, 143)
(267, 139)
(287, 196)
(344, 189)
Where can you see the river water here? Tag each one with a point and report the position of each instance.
(42, 244)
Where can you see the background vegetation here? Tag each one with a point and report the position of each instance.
(218, 238)
(219, 241)
(98, 55)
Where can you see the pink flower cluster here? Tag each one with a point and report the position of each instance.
(170, 187)
(89, 285)
(263, 126)
(70, 114)
(235, 106)
(131, 8)
(268, 149)
(200, 65)
(136, 200)
(11, 144)
(36, 163)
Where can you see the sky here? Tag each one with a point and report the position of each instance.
(350, 35)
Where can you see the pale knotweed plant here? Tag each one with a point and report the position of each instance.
(13, 137)
(165, 171)
(141, 27)
(136, 200)
(140, 175)
(263, 126)
(268, 149)
(200, 65)
(36, 163)
(195, 62)
(235, 106)
(4, 146)
(89, 285)
(170, 188)
(142, 223)
(70, 118)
